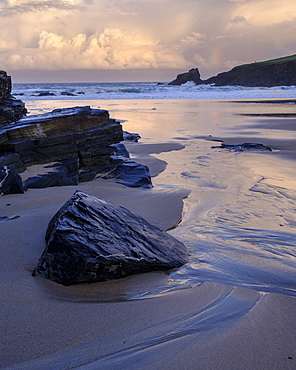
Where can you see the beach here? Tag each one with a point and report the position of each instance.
(232, 306)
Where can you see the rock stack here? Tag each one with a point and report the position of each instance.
(11, 109)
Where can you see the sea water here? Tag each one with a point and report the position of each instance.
(147, 90)
(239, 221)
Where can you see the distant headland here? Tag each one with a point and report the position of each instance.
(274, 72)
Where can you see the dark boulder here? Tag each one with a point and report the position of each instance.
(192, 75)
(91, 240)
(10, 181)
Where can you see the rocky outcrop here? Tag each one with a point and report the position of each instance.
(192, 75)
(91, 240)
(11, 109)
(75, 141)
(70, 145)
(279, 72)
(266, 74)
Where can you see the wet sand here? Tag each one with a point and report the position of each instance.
(133, 323)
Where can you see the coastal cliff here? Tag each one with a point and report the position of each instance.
(276, 72)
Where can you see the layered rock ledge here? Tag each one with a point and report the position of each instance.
(73, 145)
(77, 138)
(92, 240)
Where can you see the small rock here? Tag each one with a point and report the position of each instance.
(131, 136)
(244, 147)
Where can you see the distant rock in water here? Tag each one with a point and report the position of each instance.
(11, 109)
(276, 72)
(244, 147)
(91, 240)
(47, 93)
(192, 75)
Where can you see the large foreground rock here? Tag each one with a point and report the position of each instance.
(92, 240)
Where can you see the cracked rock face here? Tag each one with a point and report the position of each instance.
(92, 240)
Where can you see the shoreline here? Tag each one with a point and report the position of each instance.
(146, 321)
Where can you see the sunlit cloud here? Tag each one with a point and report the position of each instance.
(267, 12)
(111, 49)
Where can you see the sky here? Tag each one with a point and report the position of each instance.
(139, 40)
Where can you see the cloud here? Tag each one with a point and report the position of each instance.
(268, 12)
(17, 7)
(125, 34)
(111, 49)
(239, 20)
(193, 39)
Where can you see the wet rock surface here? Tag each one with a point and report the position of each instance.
(92, 240)
(244, 147)
(126, 171)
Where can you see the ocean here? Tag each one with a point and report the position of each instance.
(239, 221)
(145, 90)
